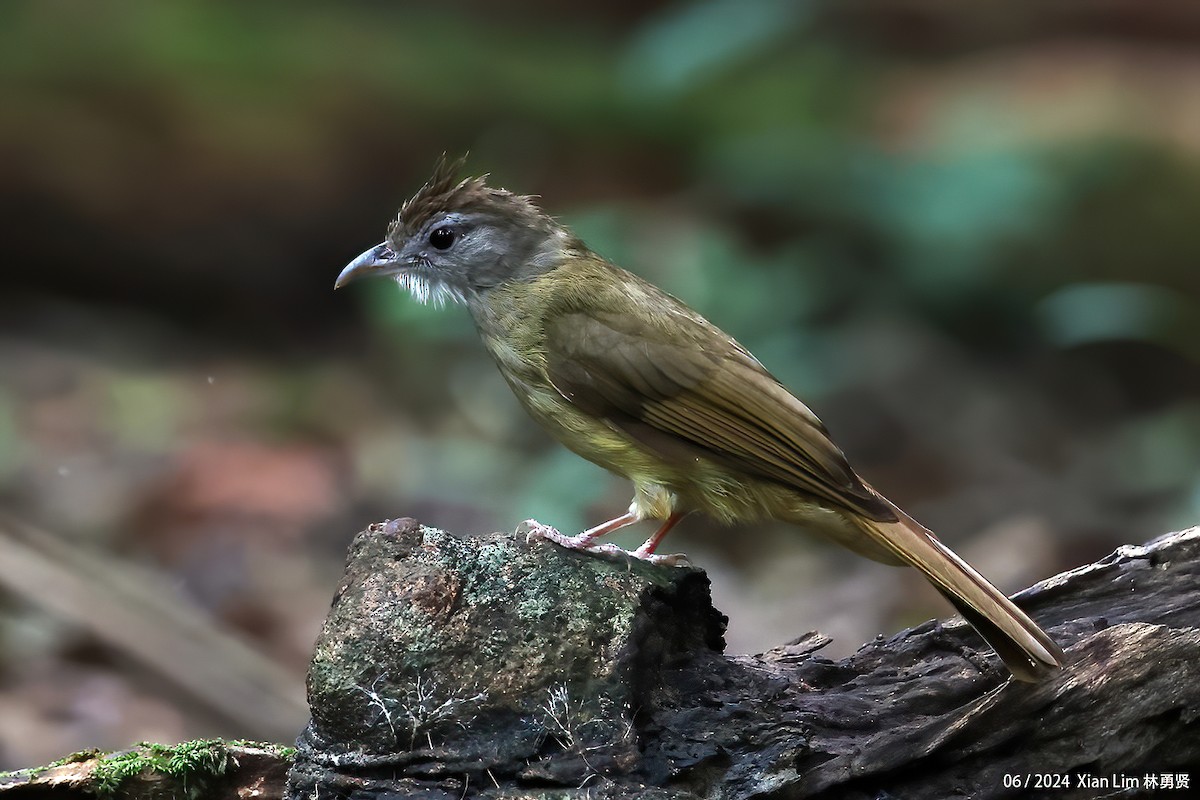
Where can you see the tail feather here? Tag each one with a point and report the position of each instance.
(1026, 650)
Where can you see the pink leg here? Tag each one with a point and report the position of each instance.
(580, 541)
(650, 545)
(585, 541)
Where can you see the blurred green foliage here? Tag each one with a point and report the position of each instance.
(758, 160)
(976, 258)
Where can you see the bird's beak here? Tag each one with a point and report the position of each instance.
(379, 260)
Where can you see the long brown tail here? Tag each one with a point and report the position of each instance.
(1025, 648)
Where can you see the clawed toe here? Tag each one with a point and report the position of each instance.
(583, 543)
(664, 559)
(535, 530)
(661, 560)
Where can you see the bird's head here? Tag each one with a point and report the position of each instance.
(456, 239)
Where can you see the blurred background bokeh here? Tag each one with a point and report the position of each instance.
(967, 234)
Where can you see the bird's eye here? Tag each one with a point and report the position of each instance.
(442, 237)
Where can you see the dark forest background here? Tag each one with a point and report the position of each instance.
(968, 236)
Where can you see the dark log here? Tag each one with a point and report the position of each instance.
(487, 667)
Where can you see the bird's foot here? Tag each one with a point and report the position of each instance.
(661, 559)
(584, 543)
(535, 530)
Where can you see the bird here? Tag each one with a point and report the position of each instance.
(631, 378)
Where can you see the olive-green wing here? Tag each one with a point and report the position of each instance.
(687, 389)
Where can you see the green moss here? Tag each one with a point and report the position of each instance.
(191, 766)
(75, 758)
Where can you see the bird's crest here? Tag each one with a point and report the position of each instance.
(444, 191)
